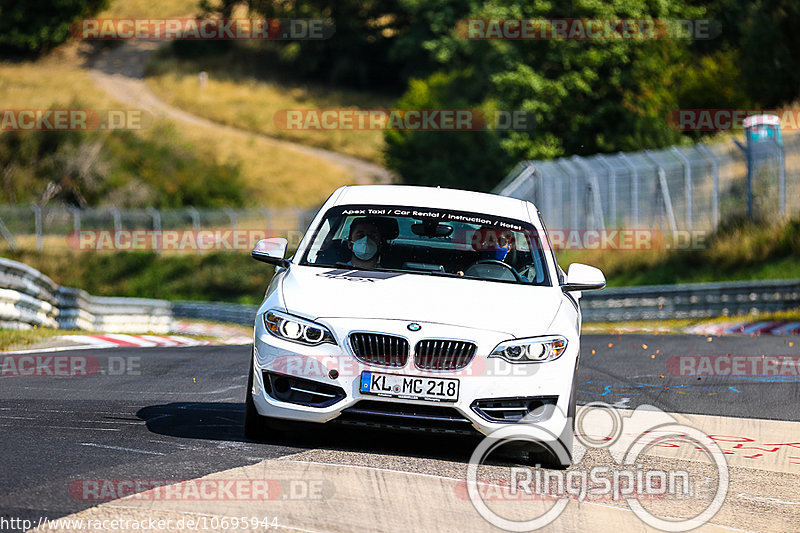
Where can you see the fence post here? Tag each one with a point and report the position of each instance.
(195, 214)
(612, 189)
(156, 215)
(782, 174)
(267, 219)
(634, 187)
(665, 196)
(115, 214)
(687, 184)
(715, 195)
(575, 208)
(37, 222)
(595, 185)
(8, 236)
(76, 220)
(232, 216)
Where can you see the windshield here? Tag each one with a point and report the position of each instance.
(429, 241)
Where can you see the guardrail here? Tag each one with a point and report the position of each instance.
(692, 300)
(29, 298)
(220, 312)
(80, 310)
(26, 296)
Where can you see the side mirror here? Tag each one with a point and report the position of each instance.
(582, 277)
(271, 251)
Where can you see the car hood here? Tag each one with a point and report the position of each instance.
(516, 310)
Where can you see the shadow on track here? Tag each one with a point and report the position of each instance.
(225, 421)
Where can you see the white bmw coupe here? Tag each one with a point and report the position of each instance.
(418, 308)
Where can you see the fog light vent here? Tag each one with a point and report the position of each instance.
(516, 409)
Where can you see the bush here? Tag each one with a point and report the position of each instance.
(34, 26)
(121, 168)
(458, 159)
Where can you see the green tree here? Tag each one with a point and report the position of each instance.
(33, 26)
(587, 96)
(770, 51)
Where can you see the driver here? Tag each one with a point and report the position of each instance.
(365, 243)
(492, 243)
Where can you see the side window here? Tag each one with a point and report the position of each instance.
(321, 237)
(549, 245)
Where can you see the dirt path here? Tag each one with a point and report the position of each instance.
(120, 73)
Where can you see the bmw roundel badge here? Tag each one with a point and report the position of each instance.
(414, 327)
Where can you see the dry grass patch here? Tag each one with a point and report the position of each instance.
(234, 97)
(274, 175)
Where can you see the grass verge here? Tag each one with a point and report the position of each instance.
(739, 250)
(19, 338)
(670, 326)
(221, 276)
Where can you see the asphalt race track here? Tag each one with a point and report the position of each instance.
(176, 414)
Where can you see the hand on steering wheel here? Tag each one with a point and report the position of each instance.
(497, 262)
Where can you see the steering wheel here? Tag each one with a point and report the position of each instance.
(495, 262)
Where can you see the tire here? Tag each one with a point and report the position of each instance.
(256, 427)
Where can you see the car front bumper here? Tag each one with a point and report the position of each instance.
(337, 396)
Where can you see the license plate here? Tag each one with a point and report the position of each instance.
(413, 388)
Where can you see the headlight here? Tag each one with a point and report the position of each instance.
(295, 329)
(531, 350)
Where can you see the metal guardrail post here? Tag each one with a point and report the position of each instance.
(687, 184)
(715, 196)
(634, 187)
(37, 222)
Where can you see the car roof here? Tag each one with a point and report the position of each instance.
(435, 197)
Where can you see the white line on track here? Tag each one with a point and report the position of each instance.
(120, 448)
(61, 427)
(55, 349)
(765, 499)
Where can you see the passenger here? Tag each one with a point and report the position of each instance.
(365, 243)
